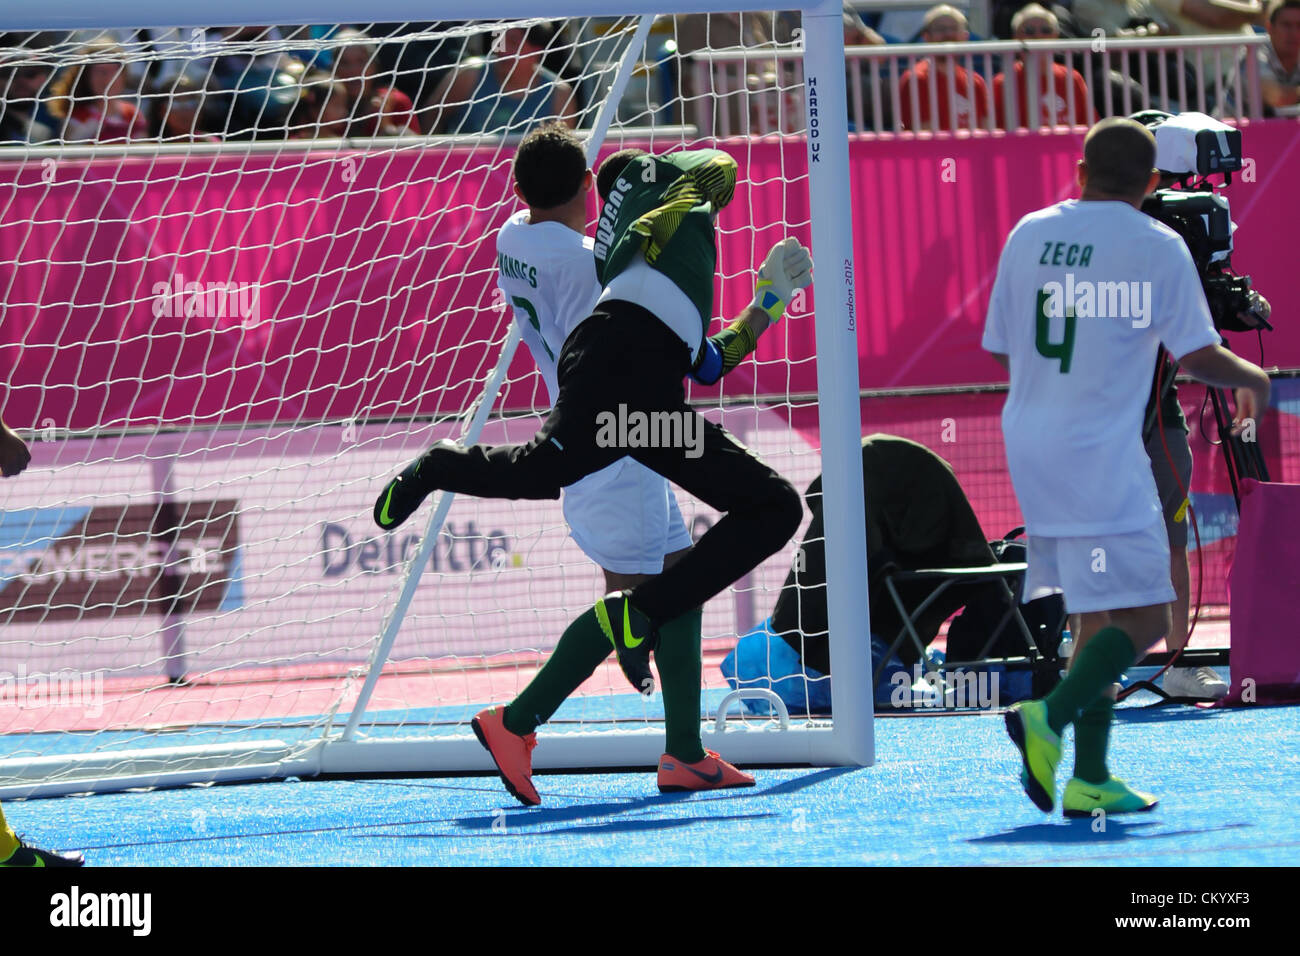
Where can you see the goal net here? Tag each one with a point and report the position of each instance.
(246, 274)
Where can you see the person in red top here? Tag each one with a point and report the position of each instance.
(968, 108)
(1062, 100)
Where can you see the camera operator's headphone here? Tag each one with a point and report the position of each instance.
(1151, 118)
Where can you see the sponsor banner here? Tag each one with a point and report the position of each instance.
(269, 557)
(69, 563)
(297, 329)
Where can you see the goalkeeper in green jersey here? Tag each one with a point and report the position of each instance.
(656, 255)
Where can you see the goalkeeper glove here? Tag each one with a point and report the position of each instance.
(787, 268)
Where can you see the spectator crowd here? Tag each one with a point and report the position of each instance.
(241, 83)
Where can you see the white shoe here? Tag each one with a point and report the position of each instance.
(1201, 683)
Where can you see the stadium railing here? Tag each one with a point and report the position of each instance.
(1211, 74)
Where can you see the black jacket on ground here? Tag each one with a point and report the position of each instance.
(917, 516)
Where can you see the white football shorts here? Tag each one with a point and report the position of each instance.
(625, 518)
(1104, 572)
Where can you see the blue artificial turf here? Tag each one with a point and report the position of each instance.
(943, 792)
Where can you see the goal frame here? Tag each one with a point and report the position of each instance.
(848, 738)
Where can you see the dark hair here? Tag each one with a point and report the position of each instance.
(1120, 155)
(1277, 6)
(549, 166)
(613, 167)
(540, 35)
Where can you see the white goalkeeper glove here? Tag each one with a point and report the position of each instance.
(787, 269)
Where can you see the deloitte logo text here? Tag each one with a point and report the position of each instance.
(1086, 299)
(638, 429)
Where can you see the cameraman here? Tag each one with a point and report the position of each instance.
(1164, 435)
(1166, 428)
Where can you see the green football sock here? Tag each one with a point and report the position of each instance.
(1102, 661)
(581, 649)
(1091, 736)
(678, 659)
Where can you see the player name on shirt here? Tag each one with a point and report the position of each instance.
(516, 269)
(605, 227)
(1063, 254)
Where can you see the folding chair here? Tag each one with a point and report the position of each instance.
(925, 547)
(998, 576)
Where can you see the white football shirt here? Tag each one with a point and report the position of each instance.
(547, 273)
(1085, 293)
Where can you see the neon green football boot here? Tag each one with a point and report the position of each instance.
(1040, 751)
(27, 855)
(1114, 796)
(630, 632)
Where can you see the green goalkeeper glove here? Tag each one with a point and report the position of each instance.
(787, 268)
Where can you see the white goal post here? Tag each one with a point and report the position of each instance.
(266, 704)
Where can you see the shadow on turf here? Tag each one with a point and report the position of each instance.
(528, 817)
(515, 826)
(1169, 713)
(522, 818)
(1080, 830)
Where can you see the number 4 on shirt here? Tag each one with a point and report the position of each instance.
(1062, 350)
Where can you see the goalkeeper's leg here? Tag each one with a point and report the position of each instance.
(685, 764)
(761, 513)
(581, 650)
(583, 647)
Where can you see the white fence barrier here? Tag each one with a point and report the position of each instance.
(955, 86)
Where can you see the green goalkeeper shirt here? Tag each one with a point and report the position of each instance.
(662, 207)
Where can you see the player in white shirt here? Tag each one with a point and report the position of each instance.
(625, 516)
(1086, 291)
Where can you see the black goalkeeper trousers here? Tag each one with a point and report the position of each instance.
(621, 393)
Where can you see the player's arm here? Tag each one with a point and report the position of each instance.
(711, 171)
(725, 350)
(1217, 367)
(14, 454)
(787, 268)
(995, 339)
